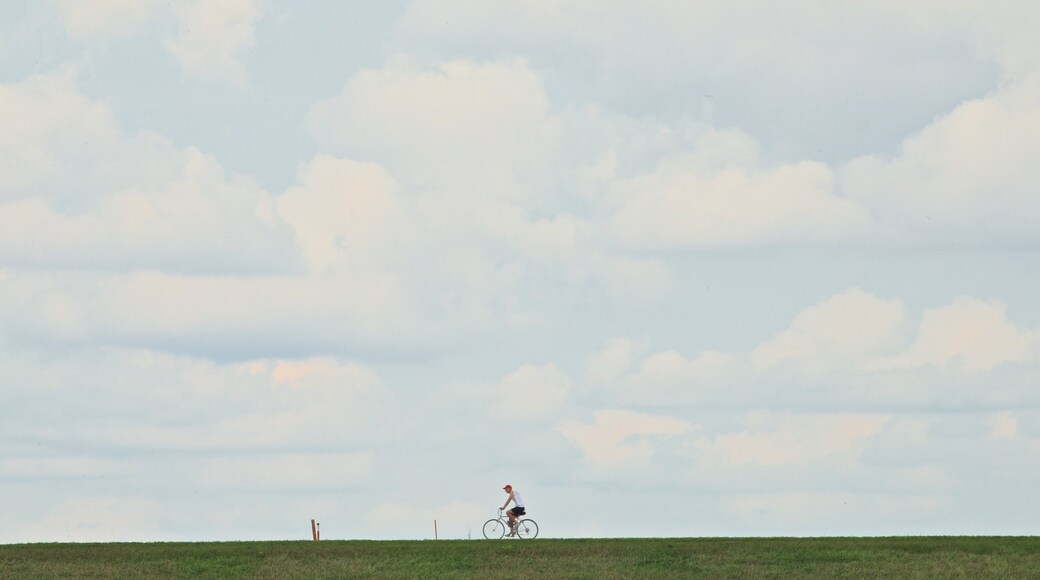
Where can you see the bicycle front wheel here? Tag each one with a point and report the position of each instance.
(494, 529)
(527, 529)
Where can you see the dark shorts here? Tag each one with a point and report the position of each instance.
(518, 511)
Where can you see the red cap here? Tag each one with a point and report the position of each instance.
(507, 487)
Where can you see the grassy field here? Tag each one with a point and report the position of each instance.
(917, 557)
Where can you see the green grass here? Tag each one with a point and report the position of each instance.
(903, 557)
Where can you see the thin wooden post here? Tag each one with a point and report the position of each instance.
(314, 531)
(434, 529)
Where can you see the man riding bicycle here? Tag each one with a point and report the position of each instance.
(517, 511)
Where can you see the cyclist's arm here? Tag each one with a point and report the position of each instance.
(508, 499)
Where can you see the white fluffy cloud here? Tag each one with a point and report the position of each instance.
(1003, 31)
(469, 125)
(669, 378)
(621, 440)
(210, 40)
(856, 330)
(616, 358)
(812, 89)
(345, 210)
(846, 328)
(190, 403)
(82, 193)
(681, 206)
(968, 333)
(50, 129)
(969, 176)
(104, 19)
(476, 128)
(963, 178)
(529, 395)
(853, 349)
(212, 35)
(403, 257)
(280, 432)
(771, 440)
(467, 154)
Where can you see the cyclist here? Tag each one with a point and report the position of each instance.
(518, 509)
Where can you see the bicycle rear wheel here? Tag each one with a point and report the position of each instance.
(494, 529)
(527, 529)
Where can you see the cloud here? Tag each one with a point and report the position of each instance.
(104, 19)
(968, 177)
(83, 195)
(621, 440)
(656, 186)
(413, 262)
(531, 394)
(948, 185)
(969, 334)
(50, 128)
(478, 127)
(568, 250)
(687, 186)
(212, 35)
(381, 262)
(465, 125)
(713, 191)
(856, 330)
(199, 220)
(679, 206)
(793, 450)
(436, 20)
(345, 210)
(846, 328)
(145, 400)
(434, 255)
(387, 258)
(1005, 426)
(852, 350)
(614, 360)
(773, 440)
(1002, 32)
(794, 92)
(668, 378)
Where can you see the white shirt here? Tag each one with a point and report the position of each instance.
(519, 501)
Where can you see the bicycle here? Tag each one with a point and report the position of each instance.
(495, 529)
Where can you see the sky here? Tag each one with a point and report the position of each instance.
(670, 268)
